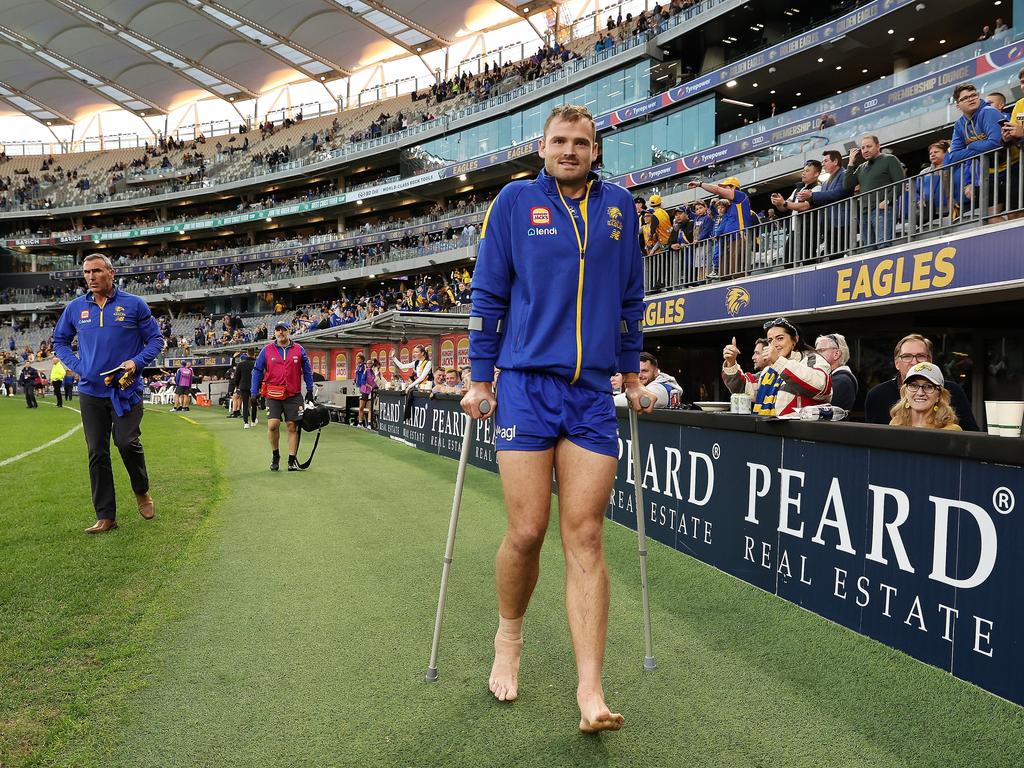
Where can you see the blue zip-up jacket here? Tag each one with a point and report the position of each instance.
(975, 135)
(558, 284)
(124, 329)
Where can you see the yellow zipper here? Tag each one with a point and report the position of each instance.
(582, 243)
(101, 306)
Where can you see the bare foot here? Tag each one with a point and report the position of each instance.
(504, 681)
(595, 715)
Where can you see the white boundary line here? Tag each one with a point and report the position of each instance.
(55, 440)
(37, 449)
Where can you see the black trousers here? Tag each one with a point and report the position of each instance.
(99, 421)
(30, 395)
(58, 389)
(68, 390)
(249, 405)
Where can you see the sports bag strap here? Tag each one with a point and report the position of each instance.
(305, 464)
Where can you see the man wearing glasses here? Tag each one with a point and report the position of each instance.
(909, 351)
(978, 130)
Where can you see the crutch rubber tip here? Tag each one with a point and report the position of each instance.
(649, 664)
(485, 407)
(432, 674)
(645, 401)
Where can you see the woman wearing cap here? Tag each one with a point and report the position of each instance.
(795, 376)
(924, 400)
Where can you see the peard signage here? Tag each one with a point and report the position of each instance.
(914, 551)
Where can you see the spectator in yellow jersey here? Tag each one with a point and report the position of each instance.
(661, 223)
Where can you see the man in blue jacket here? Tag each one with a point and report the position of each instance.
(557, 307)
(834, 225)
(978, 130)
(117, 338)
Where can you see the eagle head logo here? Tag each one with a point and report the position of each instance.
(736, 298)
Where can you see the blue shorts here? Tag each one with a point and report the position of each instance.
(536, 410)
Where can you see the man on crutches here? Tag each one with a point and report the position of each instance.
(557, 300)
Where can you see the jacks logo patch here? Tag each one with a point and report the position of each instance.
(84, 315)
(539, 216)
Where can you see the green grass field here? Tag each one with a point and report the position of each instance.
(284, 620)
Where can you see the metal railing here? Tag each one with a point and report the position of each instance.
(963, 195)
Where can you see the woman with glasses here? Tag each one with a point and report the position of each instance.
(909, 351)
(795, 376)
(924, 400)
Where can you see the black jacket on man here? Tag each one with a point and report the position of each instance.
(243, 374)
(881, 398)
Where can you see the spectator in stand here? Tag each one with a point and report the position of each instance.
(924, 401)
(910, 350)
(795, 376)
(661, 387)
(998, 100)
(802, 242)
(976, 131)
(758, 360)
(876, 173)
(832, 190)
(640, 205)
(730, 243)
(661, 224)
(648, 231)
(453, 380)
(935, 189)
(703, 231)
(833, 347)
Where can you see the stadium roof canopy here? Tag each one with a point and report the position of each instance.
(61, 60)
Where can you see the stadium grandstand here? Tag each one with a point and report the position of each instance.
(329, 165)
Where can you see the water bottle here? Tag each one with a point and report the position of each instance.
(826, 412)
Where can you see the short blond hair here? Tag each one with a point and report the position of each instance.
(570, 113)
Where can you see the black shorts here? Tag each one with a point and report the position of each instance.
(364, 397)
(183, 390)
(290, 409)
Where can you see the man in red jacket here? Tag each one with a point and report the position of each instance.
(280, 370)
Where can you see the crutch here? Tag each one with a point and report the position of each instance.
(449, 547)
(641, 535)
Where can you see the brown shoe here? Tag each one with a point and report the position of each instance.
(146, 508)
(102, 526)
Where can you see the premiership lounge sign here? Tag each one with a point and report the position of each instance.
(918, 552)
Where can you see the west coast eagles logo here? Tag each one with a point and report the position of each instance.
(614, 222)
(736, 298)
(119, 313)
